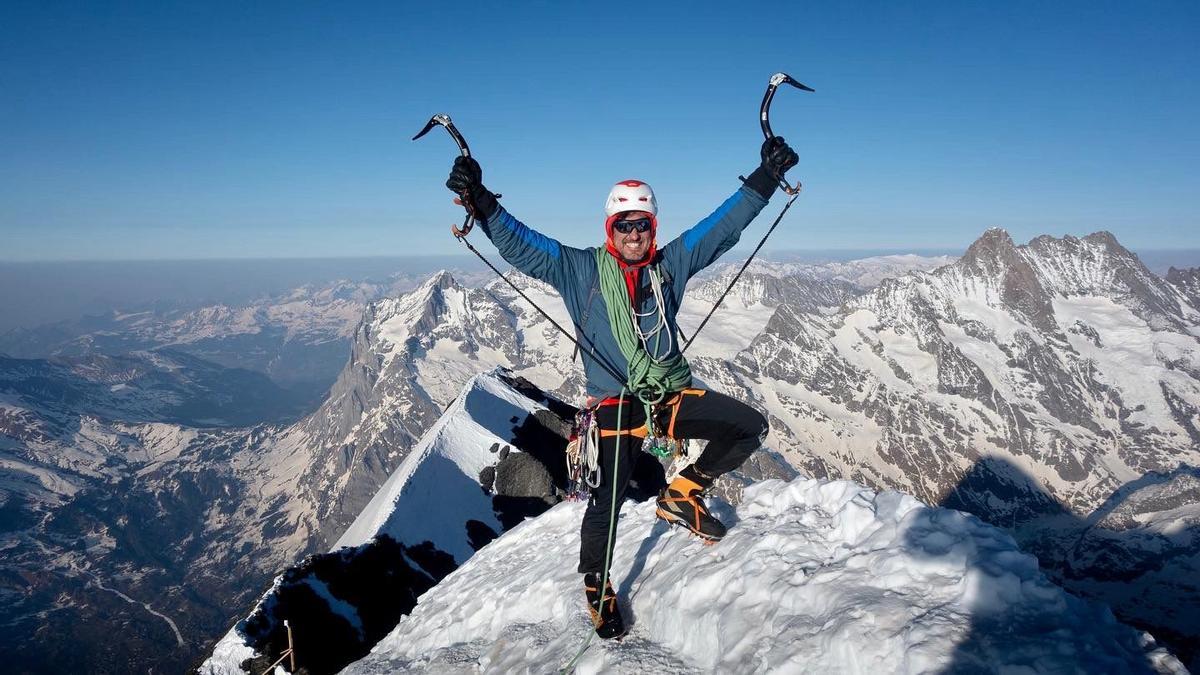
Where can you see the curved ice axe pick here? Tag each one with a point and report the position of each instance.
(444, 120)
(764, 114)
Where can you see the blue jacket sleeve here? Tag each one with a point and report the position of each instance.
(528, 250)
(706, 241)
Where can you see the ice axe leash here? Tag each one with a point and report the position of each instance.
(764, 120)
(460, 233)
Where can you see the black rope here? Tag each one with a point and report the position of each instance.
(739, 274)
(611, 369)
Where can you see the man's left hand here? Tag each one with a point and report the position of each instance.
(778, 156)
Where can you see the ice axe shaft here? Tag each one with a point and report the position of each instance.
(764, 116)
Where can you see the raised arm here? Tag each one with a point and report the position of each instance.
(523, 247)
(706, 241)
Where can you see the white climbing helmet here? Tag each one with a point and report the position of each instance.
(630, 195)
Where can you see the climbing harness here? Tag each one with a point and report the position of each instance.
(764, 119)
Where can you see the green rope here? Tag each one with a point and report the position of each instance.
(645, 376)
(612, 522)
(648, 378)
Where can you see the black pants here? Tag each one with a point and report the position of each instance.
(733, 430)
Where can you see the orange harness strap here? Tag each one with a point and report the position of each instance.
(643, 431)
(640, 432)
(674, 403)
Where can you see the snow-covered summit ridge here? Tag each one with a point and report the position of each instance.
(814, 576)
(428, 517)
(438, 478)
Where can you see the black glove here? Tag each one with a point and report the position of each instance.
(466, 181)
(777, 158)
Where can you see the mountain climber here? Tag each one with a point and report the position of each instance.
(622, 298)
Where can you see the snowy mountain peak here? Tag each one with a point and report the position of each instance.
(1028, 277)
(441, 279)
(457, 445)
(993, 238)
(994, 246)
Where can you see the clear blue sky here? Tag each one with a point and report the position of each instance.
(184, 130)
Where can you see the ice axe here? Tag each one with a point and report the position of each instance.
(442, 119)
(764, 117)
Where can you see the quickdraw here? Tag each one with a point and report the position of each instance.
(583, 456)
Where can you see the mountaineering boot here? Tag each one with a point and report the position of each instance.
(606, 616)
(680, 503)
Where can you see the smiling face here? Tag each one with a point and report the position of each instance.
(633, 246)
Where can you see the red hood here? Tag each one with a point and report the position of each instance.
(608, 243)
(630, 270)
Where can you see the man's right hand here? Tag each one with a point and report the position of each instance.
(466, 180)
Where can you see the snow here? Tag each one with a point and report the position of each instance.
(814, 576)
(41, 482)
(740, 322)
(1131, 356)
(984, 306)
(863, 272)
(413, 505)
(227, 656)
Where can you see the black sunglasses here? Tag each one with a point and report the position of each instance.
(627, 226)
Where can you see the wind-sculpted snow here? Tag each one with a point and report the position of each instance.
(814, 576)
